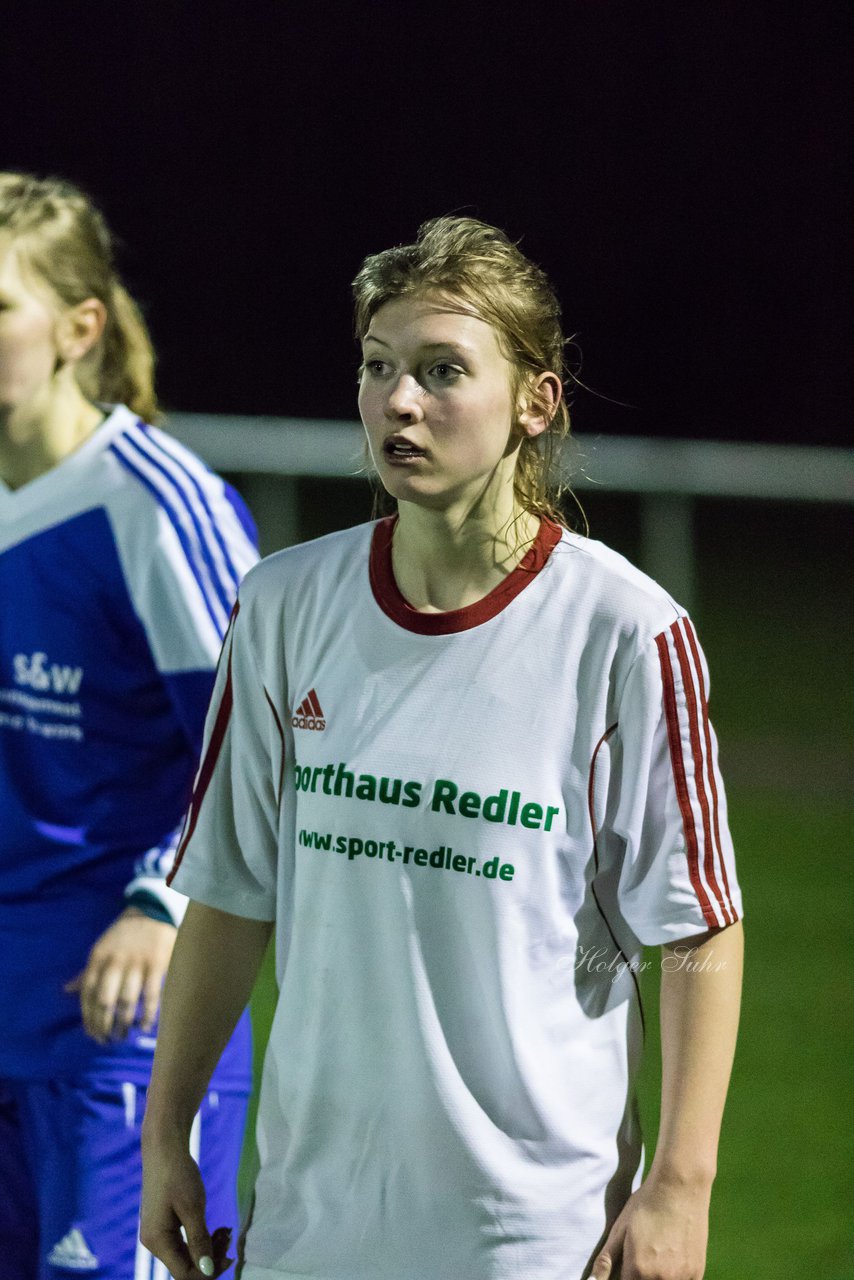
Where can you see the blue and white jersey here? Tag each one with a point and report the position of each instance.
(118, 572)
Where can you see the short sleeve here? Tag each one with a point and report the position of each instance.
(666, 801)
(227, 856)
(185, 540)
(184, 568)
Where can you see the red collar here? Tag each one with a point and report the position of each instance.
(388, 597)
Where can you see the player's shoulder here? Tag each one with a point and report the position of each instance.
(176, 528)
(144, 466)
(321, 563)
(613, 589)
(159, 481)
(157, 465)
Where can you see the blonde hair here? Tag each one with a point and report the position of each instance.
(65, 240)
(477, 266)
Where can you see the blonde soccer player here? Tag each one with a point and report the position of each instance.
(120, 557)
(459, 764)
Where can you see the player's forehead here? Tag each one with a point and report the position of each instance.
(431, 321)
(9, 269)
(18, 279)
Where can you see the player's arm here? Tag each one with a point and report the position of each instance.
(184, 614)
(214, 965)
(125, 969)
(229, 856)
(663, 1230)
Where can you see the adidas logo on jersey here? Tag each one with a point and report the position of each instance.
(73, 1253)
(309, 714)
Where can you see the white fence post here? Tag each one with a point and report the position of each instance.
(274, 503)
(667, 544)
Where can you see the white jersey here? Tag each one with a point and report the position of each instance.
(464, 825)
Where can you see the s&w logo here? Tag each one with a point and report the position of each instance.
(35, 670)
(309, 714)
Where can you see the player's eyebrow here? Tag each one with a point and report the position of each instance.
(450, 345)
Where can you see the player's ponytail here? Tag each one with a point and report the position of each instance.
(64, 239)
(122, 363)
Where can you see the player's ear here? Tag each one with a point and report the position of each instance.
(79, 328)
(537, 403)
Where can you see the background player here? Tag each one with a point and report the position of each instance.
(509, 784)
(120, 556)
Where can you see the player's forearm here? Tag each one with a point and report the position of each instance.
(210, 979)
(700, 998)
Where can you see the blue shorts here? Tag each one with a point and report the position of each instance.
(71, 1172)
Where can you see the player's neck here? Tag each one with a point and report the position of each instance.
(36, 436)
(444, 560)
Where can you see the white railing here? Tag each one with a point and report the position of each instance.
(667, 475)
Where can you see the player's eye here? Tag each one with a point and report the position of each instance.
(445, 372)
(373, 368)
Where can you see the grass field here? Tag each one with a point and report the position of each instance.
(774, 621)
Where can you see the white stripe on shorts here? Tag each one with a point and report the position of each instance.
(196, 1137)
(129, 1098)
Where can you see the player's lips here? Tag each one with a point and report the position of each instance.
(399, 450)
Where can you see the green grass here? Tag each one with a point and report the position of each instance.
(782, 1196)
(262, 1009)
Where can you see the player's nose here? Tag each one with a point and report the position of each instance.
(405, 399)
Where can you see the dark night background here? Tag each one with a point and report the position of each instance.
(672, 166)
(678, 169)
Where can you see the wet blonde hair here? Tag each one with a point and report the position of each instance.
(64, 239)
(479, 270)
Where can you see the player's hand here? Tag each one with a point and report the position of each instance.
(127, 964)
(661, 1234)
(173, 1198)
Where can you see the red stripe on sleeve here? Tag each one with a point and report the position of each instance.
(699, 772)
(728, 908)
(223, 716)
(678, 764)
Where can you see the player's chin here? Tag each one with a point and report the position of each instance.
(409, 485)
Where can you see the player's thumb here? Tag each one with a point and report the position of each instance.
(602, 1266)
(607, 1256)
